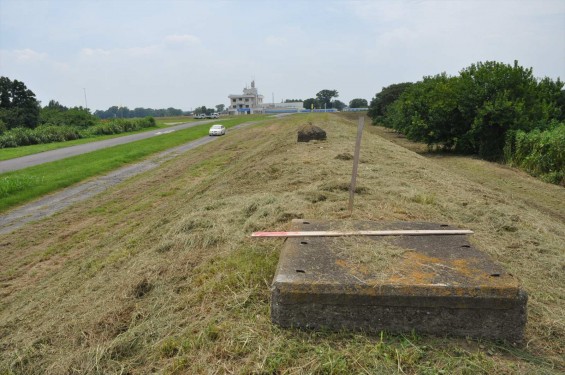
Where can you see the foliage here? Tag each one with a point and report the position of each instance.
(472, 113)
(57, 114)
(61, 133)
(293, 100)
(311, 103)
(118, 126)
(18, 106)
(125, 112)
(380, 103)
(204, 110)
(358, 103)
(541, 153)
(220, 108)
(338, 104)
(42, 134)
(325, 97)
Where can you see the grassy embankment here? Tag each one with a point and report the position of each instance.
(21, 186)
(175, 284)
(17, 152)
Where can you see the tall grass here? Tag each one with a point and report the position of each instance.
(56, 133)
(540, 153)
(118, 126)
(42, 134)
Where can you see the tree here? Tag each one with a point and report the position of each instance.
(311, 103)
(325, 97)
(380, 103)
(220, 108)
(476, 112)
(293, 100)
(57, 114)
(18, 106)
(358, 103)
(339, 105)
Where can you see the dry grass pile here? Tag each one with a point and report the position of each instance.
(160, 275)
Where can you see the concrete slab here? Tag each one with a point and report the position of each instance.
(438, 284)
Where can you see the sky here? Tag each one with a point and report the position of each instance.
(185, 54)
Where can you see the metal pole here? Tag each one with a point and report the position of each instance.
(355, 163)
(85, 102)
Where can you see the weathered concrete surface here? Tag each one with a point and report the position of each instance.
(439, 284)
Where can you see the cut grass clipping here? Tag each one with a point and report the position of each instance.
(21, 186)
(159, 274)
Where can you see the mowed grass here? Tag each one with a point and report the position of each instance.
(21, 186)
(159, 275)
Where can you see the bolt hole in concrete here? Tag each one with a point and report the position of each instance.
(303, 243)
(444, 225)
(495, 275)
(465, 245)
(305, 222)
(300, 271)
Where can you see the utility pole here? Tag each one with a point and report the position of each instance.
(85, 102)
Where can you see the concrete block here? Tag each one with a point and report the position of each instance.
(438, 284)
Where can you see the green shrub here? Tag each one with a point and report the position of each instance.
(540, 153)
(42, 134)
(118, 126)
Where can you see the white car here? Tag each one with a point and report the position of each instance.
(213, 115)
(200, 116)
(217, 130)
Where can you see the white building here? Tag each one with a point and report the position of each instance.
(292, 106)
(249, 102)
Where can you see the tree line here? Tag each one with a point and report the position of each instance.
(125, 112)
(497, 111)
(325, 100)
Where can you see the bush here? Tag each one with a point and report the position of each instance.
(473, 112)
(42, 134)
(56, 133)
(540, 153)
(118, 126)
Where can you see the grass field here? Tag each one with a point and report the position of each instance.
(21, 186)
(159, 275)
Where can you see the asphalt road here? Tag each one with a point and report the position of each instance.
(62, 153)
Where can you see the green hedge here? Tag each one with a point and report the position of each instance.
(540, 153)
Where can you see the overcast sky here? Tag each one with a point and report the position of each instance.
(185, 54)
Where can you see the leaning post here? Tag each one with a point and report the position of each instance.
(355, 163)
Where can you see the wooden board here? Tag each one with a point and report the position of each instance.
(363, 233)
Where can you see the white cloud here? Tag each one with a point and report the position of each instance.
(94, 52)
(185, 38)
(25, 55)
(276, 41)
(120, 52)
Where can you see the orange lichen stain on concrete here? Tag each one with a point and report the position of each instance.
(414, 269)
(419, 273)
(357, 269)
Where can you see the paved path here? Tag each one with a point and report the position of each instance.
(53, 203)
(62, 153)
